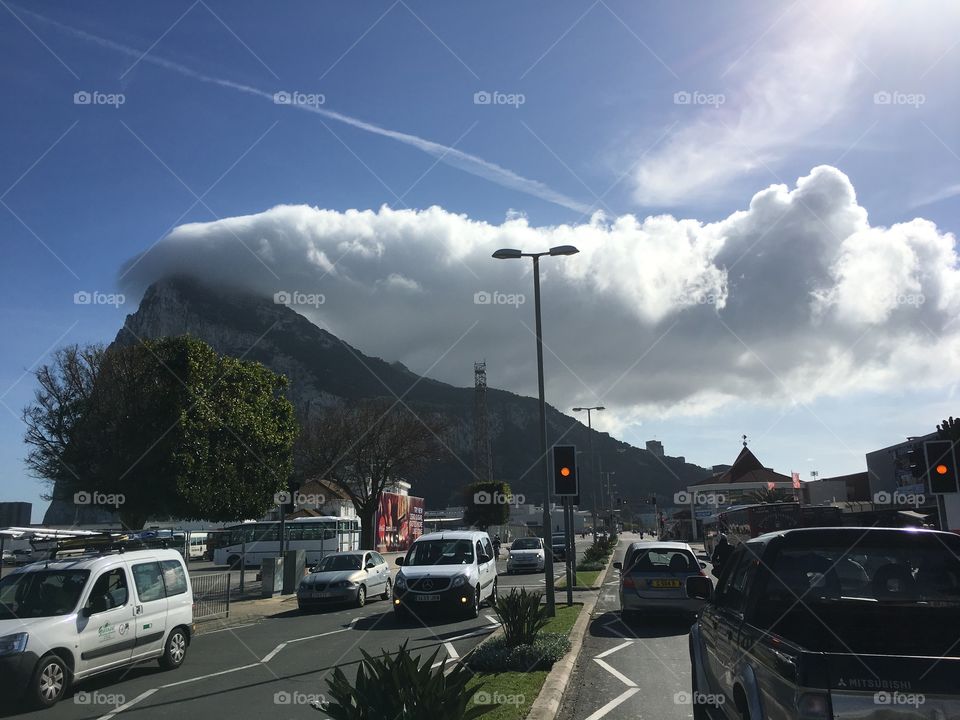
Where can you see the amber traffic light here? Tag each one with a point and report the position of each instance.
(942, 466)
(565, 470)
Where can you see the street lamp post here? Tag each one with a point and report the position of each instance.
(510, 254)
(593, 477)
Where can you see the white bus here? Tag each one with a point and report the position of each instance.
(198, 544)
(319, 536)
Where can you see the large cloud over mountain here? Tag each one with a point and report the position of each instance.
(793, 298)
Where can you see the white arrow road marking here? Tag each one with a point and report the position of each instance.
(612, 650)
(120, 709)
(204, 677)
(616, 673)
(613, 703)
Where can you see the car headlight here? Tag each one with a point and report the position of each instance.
(13, 644)
(400, 582)
(459, 580)
(342, 584)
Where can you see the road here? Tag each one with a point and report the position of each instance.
(638, 669)
(274, 667)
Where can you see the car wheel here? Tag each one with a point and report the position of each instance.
(49, 683)
(387, 591)
(175, 650)
(361, 597)
(492, 600)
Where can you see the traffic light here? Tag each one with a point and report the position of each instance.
(565, 471)
(941, 466)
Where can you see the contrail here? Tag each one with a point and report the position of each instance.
(447, 155)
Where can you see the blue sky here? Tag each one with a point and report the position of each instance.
(772, 91)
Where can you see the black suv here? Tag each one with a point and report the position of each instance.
(831, 623)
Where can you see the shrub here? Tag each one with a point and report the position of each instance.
(497, 656)
(591, 565)
(398, 686)
(522, 616)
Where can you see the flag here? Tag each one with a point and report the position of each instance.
(771, 485)
(796, 481)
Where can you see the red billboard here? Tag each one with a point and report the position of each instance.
(399, 522)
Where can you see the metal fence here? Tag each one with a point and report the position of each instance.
(211, 596)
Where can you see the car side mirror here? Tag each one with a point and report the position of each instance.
(618, 565)
(399, 561)
(703, 565)
(371, 565)
(699, 587)
(87, 611)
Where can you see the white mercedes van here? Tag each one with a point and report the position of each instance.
(64, 620)
(453, 571)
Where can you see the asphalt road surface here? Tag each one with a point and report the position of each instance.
(272, 668)
(638, 669)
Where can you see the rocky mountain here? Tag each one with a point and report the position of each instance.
(324, 370)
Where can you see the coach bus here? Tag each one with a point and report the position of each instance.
(743, 522)
(318, 536)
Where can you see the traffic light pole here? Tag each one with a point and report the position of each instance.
(547, 524)
(568, 541)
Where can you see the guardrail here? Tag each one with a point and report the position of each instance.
(211, 596)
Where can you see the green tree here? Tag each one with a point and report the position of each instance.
(487, 503)
(949, 429)
(364, 448)
(165, 428)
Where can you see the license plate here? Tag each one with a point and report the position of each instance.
(427, 598)
(665, 583)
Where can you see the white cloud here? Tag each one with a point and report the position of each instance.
(795, 297)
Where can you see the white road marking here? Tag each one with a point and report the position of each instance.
(121, 708)
(451, 651)
(232, 627)
(204, 677)
(492, 620)
(613, 703)
(612, 650)
(314, 637)
(272, 653)
(616, 673)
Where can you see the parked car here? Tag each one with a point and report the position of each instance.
(831, 623)
(345, 577)
(28, 555)
(653, 577)
(64, 621)
(526, 555)
(454, 571)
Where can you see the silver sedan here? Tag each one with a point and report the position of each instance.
(653, 578)
(345, 577)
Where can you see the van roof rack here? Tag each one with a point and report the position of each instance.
(113, 542)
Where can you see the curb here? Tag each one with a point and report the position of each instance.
(547, 704)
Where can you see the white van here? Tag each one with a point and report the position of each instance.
(65, 620)
(454, 571)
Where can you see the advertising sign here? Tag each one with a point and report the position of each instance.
(399, 522)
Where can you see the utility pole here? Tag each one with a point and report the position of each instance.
(593, 477)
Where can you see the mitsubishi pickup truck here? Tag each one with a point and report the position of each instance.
(822, 623)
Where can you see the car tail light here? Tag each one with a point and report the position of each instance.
(813, 706)
(628, 582)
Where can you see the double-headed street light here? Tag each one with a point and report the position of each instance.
(511, 254)
(593, 478)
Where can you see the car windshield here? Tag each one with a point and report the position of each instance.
(336, 563)
(662, 560)
(41, 594)
(440, 552)
(559, 540)
(526, 544)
